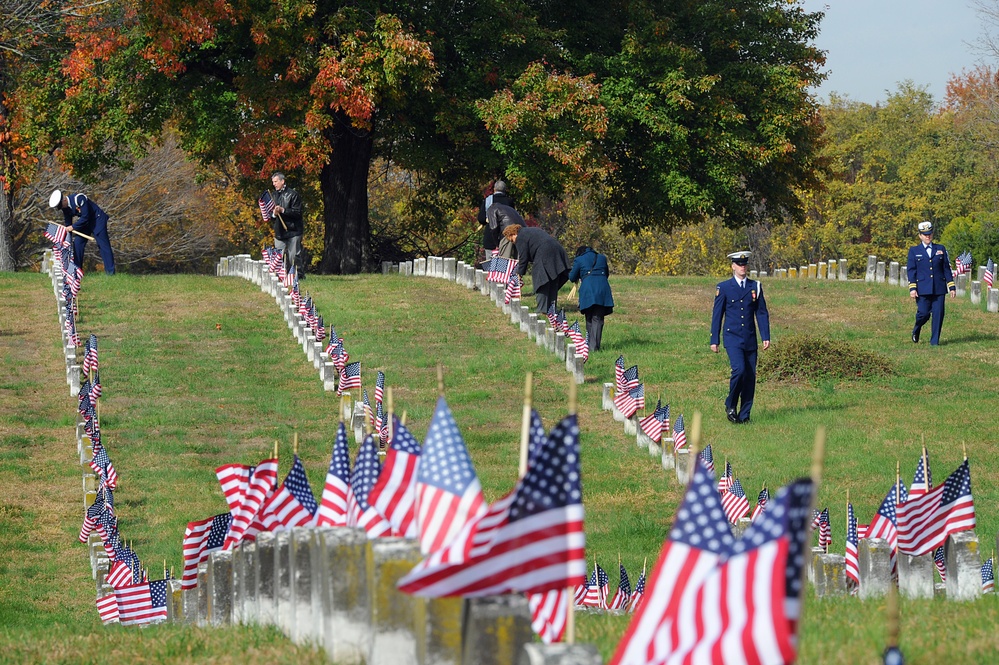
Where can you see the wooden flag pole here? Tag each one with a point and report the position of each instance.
(390, 411)
(964, 448)
(68, 228)
(274, 200)
(402, 420)
(341, 408)
(695, 441)
(525, 424)
(275, 449)
(818, 460)
(440, 380)
(893, 617)
(164, 569)
(898, 489)
(570, 596)
(926, 469)
(294, 444)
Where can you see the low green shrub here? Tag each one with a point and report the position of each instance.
(805, 357)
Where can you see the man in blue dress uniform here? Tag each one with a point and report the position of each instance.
(92, 221)
(930, 279)
(740, 305)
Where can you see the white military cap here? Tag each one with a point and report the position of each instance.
(55, 200)
(740, 257)
(926, 227)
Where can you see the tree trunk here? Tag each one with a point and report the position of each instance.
(6, 189)
(344, 184)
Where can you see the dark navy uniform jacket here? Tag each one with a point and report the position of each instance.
(741, 308)
(929, 274)
(89, 213)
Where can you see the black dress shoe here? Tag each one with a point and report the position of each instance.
(915, 335)
(732, 416)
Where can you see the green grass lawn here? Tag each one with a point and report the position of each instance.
(182, 397)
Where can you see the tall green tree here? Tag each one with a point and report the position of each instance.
(670, 111)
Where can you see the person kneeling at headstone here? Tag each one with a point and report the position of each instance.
(550, 269)
(595, 299)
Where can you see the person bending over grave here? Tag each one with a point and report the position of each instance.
(550, 263)
(92, 221)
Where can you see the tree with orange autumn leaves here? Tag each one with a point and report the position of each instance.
(669, 112)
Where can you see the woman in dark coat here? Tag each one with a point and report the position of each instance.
(550, 263)
(595, 299)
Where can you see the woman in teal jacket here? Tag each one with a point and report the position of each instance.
(595, 299)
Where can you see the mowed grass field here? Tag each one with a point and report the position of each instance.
(201, 371)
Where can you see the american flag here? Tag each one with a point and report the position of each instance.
(726, 480)
(628, 402)
(852, 555)
(379, 419)
(95, 389)
(350, 377)
(990, 271)
(71, 337)
(531, 540)
(500, 269)
(940, 561)
(394, 494)
(734, 502)
(369, 414)
(142, 603)
(234, 479)
(333, 341)
(560, 321)
(266, 204)
(104, 501)
(448, 491)
(925, 523)
(596, 589)
(883, 524)
(58, 234)
(548, 614)
(622, 597)
(761, 503)
(656, 422)
(360, 512)
(340, 357)
(320, 329)
(260, 487)
(988, 577)
(636, 598)
(552, 317)
(618, 374)
(380, 387)
(333, 505)
(120, 574)
(583, 589)
(102, 466)
(922, 481)
(710, 594)
(825, 530)
(293, 504)
(629, 379)
(107, 607)
(963, 264)
(200, 538)
(680, 440)
(579, 341)
(706, 457)
(513, 289)
(90, 359)
(72, 278)
(107, 527)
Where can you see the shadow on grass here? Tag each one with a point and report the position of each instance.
(980, 337)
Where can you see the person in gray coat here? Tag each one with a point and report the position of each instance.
(550, 263)
(595, 299)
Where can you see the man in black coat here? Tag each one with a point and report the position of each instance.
(550, 263)
(288, 224)
(494, 221)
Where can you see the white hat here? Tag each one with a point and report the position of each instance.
(926, 227)
(739, 257)
(55, 201)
